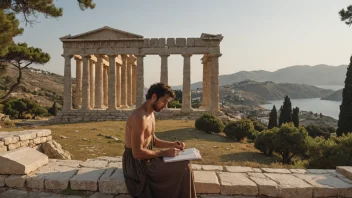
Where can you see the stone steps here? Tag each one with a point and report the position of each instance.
(104, 175)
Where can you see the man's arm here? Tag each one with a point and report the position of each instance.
(164, 144)
(137, 134)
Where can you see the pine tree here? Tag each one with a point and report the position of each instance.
(295, 116)
(272, 118)
(286, 112)
(344, 124)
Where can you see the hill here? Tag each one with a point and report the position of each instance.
(336, 96)
(301, 74)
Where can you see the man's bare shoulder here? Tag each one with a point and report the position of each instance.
(137, 116)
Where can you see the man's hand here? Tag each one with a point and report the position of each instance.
(180, 145)
(171, 152)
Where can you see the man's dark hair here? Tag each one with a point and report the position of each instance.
(160, 89)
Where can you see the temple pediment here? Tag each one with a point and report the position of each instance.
(103, 34)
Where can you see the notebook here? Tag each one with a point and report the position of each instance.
(187, 154)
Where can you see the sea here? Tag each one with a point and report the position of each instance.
(316, 105)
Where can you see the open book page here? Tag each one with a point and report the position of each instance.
(187, 154)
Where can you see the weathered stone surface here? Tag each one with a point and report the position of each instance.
(206, 182)
(69, 163)
(54, 150)
(275, 170)
(24, 143)
(298, 171)
(58, 177)
(92, 163)
(35, 181)
(86, 179)
(101, 195)
(236, 184)
(15, 181)
(115, 164)
(342, 177)
(9, 139)
(238, 169)
(37, 140)
(43, 195)
(3, 148)
(326, 185)
(2, 179)
(12, 193)
(211, 168)
(291, 186)
(43, 132)
(196, 167)
(180, 42)
(21, 161)
(266, 186)
(111, 159)
(27, 135)
(170, 42)
(345, 171)
(112, 181)
(257, 170)
(13, 146)
(316, 171)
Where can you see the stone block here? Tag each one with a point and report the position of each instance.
(115, 164)
(111, 159)
(2, 179)
(86, 179)
(154, 42)
(27, 135)
(10, 139)
(345, 171)
(69, 163)
(21, 161)
(171, 42)
(196, 167)
(298, 171)
(316, 171)
(276, 170)
(12, 193)
(35, 181)
(14, 146)
(180, 42)
(91, 163)
(101, 195)
(146, 42)
(326, 185)
(23, 143)
(266, 186)
(206, 182)
(43, 132)
(212, 168)
(291, 186)
(162, 42)
(37, 140)
(58, 178)
(15, 181)
(43, 195)
(236, 184)
(190, 42)
(238, 169)
(257, 170)
(113, 182)
(198, 42)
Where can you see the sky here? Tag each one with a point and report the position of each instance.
(258, 35)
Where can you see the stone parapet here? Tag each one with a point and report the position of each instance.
(103, 176)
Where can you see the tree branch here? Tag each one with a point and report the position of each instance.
(5, 97)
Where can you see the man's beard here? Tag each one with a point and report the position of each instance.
(155, 108)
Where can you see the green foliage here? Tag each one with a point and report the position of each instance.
(239, 129)
(320, 131)
(178, 97)
(295, 116)
(273, 118)
(209, 123)
(346, 15)
(344, 124)
(195, 104)
(174, 104)
(258, 126)
(9, 28)
(265, 141)
(2, 108)
(16, 108)
(285, 112)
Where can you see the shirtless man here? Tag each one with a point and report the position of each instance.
(145, 173)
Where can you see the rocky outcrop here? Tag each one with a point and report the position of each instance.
(54, 150)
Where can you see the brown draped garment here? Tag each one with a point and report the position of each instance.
(153, 178)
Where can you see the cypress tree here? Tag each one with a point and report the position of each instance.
(286, 112)
(272, 118)
(344, 124)
(295, 116)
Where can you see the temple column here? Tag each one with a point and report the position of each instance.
(204, 84)
(134, 83)
(112, 83)
(164, 68)
(130, 61)
(208, 81)
(140, 80)
(214, 107)
(99, 67)
(67, 84)
(124, 82)
(105, 85)
(118, 85)
(78, 94)
(186, 88)
(85, 83)
(92, 83)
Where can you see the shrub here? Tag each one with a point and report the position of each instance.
(258, 126)
(265, 141)
(174, 104)
(239, 129)
(209, 123)
(319, 130)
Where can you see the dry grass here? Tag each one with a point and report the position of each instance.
(216, 149)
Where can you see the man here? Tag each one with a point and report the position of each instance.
(145, 173)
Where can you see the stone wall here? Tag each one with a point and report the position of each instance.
(27, 138)
(103, 115)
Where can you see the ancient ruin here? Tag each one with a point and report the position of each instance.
(110, 73)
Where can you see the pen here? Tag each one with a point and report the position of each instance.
(178, 142)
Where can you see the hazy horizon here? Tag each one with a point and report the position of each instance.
(258, 35)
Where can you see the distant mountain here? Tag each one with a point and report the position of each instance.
(336, 96)
(301, 74)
